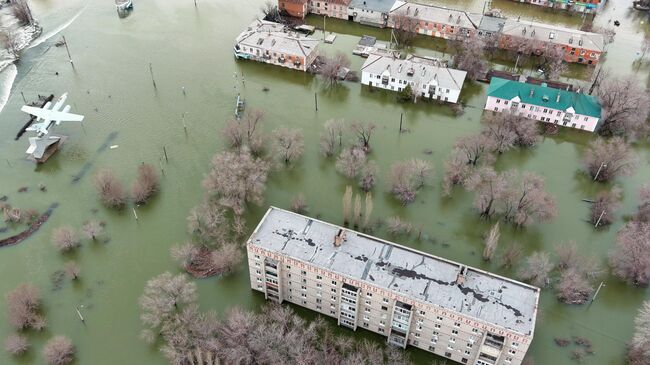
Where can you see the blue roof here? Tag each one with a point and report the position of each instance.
(542, 95)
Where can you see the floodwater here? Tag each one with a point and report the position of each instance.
(190, 47)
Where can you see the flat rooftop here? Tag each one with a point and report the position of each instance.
(484, 296)
(276, 37)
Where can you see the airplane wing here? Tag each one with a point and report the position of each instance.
(38, 127)
(52, 115)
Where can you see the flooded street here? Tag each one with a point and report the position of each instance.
(191, 48)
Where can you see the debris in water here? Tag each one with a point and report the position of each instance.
(114, 146)
(23, 189)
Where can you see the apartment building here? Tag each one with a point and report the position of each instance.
(543, 103)
(274, 43)
(579, 47)
(370, 12)
(579, 6)
(436, 21)
(331, 8)
(428, 78)
(414, 299)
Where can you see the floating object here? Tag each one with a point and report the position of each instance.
(123, 4)
(330, 38)
(114, 146)
(239, 107)
(304, 28)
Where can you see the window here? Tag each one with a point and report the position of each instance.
(380, 330)
(258, 272)
(438, 318)
(437, 325)
(498, 101)
(383, 307)
(452, 340)
(382, 323)
(303, 287)
(318, 277)
(385, 300)
(333, 290)
(432, 348)
(367, 310)
(505, 102)
(333, 282)
(303, 272)
(304, 295)
(475, 330)
(368, 302)
(318, 300)
(319, 285)
(456, 324)
(416, 343)
(454, 332)
(417, 335)
(366, 318)
(369, 295)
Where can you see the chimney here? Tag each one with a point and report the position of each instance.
(460, 279)
(339, 238)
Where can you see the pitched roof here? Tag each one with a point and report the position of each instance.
(382, 6)
(545, 96)
(554, 34)
(276, 37)
(425, 70)
(437, 14)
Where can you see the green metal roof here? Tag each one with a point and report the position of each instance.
(544, 96)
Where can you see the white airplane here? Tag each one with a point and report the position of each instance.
(46, 117)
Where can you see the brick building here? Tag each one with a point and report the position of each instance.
(414, 299)
(294, 8)
(332, 8)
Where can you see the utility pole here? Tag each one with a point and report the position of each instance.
(597, 291)
(25, 100)
(401, 116)
(152, 78)
(67, 50)
(316, 100)
(165, 152)
(596, 81)
(599, 218)
(602, 164)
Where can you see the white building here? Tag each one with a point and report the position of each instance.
(543, 103)
(274, 43)
(414, 299)
(370, 12)
(428, 78)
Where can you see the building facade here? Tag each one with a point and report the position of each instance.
(428, 78)
(414, 299)
(370, 12)
(273, 43)
(579, 47)
(294, 8)
(331, 8)
(580, 6)
(436, 21)
(545, 104)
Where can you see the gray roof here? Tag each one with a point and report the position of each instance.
(382, 6)
(497, 300)
(491, 24)
(276, 37)
(425, 70)
(438, 14)
(554, 34)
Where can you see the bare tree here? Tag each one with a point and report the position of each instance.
(476, 148)
(469, 57)
(92, 229)
(491, 242)
(347, 203)
(574, 287)
(72, 270)
(65, 239)
(331, 70)
(398, 227)
(526, 200)
(9, 41)
(630, 260)
(363, 132)
(146, 184)
(246, 132)
(164, 297)
(553, 61)
(184, 254)
(226, 258)
(23, 308)
(110, 189)
(625, 106)
(603, 209)
(639, 346)
(22, 12)
(331, 138)
(16, 344)
(643, 211)
(288, 144)
(645, 46)
(351, 161)
(536, 269)
(299, 205)
(58, 350)
(456, 171)
(604, 160)
(368, 211)
(207, 222)
(368, 176)
(271, 12)
(511, 256)
(489, 188)
(405, 28)
(236, 179)
(509, 129)
(407, 177)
